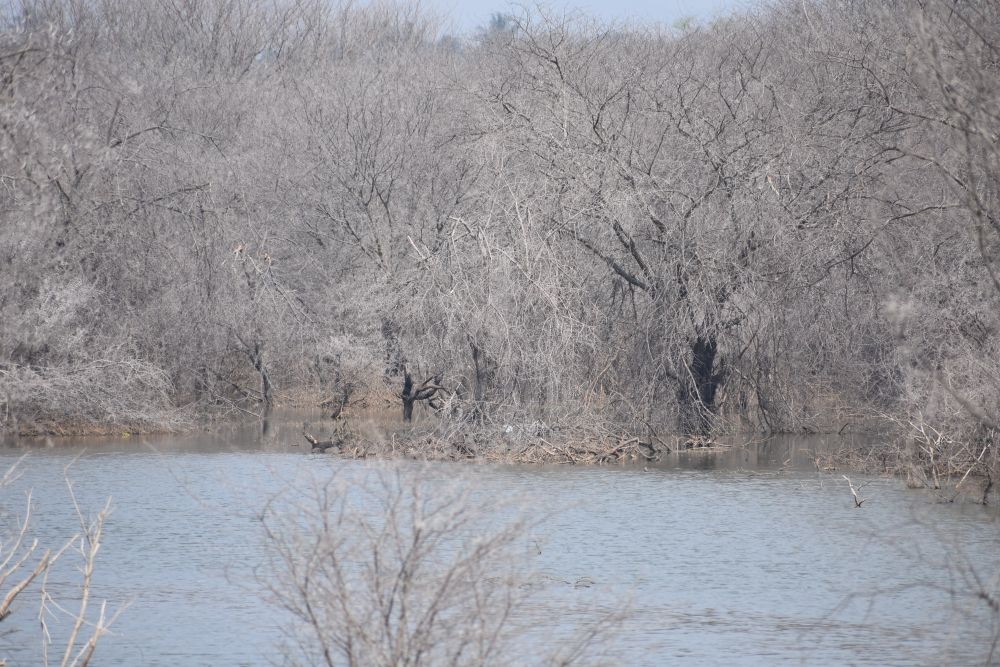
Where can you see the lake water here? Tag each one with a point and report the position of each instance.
(746, 557)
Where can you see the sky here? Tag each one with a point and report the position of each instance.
(469, 14)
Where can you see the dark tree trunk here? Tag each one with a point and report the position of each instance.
(265, 380)
(703, 369)
(478, 389)
(257, 357)
(409, 396)
(425, 391)
(697, 395)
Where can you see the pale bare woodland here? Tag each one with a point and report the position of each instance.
(785, 220)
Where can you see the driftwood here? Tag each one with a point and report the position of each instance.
(577, 447)
(698, 442)
(321, 445)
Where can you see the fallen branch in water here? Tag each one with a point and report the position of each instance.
(858, 500)
(320, 445)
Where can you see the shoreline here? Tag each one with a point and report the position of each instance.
(874, 452)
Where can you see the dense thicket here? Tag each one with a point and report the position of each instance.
(783, 220)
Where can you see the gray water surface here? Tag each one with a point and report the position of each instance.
(744, 558)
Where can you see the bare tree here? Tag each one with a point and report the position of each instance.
(394, 570)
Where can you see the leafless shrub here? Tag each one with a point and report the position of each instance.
(393, 569)
(23, 562)
(965, 586)
(941, 457)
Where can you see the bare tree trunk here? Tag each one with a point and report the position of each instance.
(697, 396)
(425, 391)
(478, 389)
(409, 396)
(265, 380)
